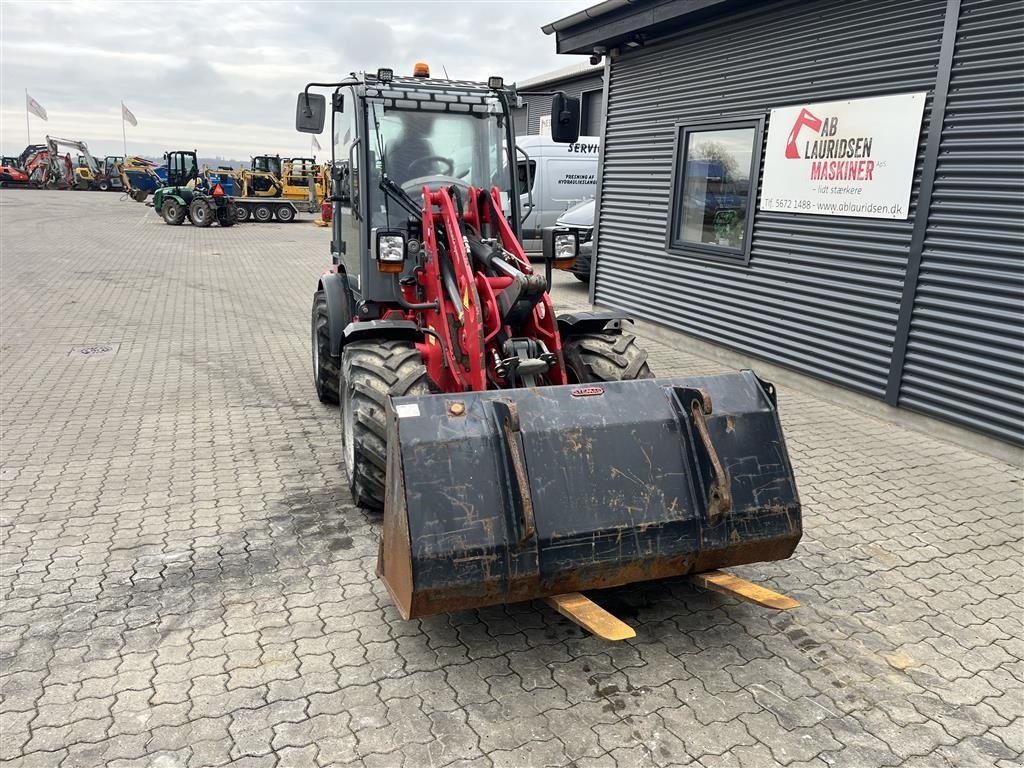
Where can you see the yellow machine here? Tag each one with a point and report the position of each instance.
(263, 178)
(84, 176)
(139, 177)
(288, 178)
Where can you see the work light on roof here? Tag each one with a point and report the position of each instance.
(494, 82)
(385, 75)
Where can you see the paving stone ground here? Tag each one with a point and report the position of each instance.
(186, 582)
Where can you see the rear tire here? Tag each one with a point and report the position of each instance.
(285, 213)
(263, 213)
(595, 357)
(104, 186)
(326, 368)
(226, 215)
(201, 213)
(371, 372)
(172, 211)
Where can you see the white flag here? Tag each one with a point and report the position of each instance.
(126, 114)
(35, 107)
(316, 144)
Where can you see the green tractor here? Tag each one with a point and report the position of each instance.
(186, 195)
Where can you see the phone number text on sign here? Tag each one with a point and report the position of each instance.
(786, 203)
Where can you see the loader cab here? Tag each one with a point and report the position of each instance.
(406, 134)
(414, 132)
(182, 168)
(267, 164)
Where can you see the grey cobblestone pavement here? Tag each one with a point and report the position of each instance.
(186, 583)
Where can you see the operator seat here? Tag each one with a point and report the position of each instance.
(400, 157)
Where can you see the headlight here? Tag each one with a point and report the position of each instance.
(565, 246)
(560, 246)
(390, 251)
(390, 248)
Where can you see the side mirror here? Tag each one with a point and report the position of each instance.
(310, 110)
(565, 118)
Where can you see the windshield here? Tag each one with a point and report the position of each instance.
(417, 147)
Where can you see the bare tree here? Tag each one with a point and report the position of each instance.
(716, 151)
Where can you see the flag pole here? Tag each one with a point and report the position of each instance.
(124, 134)
(28, 133)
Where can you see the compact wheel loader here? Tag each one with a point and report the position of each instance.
(516, 454)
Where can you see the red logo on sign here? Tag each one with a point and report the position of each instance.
(804, 120)
(587, 391)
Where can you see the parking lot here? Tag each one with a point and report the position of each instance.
(186, 581)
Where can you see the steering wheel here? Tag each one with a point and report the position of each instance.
(419, 165)
(434, 181)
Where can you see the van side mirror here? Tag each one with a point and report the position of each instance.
(565, 118)
(310, 110)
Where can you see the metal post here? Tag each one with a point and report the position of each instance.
(28, 133)
(924, 199)
(124, 133)
(606, 87)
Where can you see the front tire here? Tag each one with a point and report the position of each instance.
(104, 186)
(594, 357)
(371, 372)
(241, 213)
(172, 211)
(326, 368)
(201, 213)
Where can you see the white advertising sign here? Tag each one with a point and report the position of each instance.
(843, 158)
(545, 125)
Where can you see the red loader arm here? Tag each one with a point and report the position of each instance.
(466, 328)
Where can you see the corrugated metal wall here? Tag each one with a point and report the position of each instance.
(820, 294)
(541, 105)
(966, 342)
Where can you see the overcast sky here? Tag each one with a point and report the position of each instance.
(222, 76)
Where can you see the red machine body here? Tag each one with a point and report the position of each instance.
(462, 345)
(11, 175)
(470, 329)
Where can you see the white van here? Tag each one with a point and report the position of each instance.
(562, 175)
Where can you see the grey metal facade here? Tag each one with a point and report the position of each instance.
(930, 320)
(538, 100)
(965, 345)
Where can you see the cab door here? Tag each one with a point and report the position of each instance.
(345, 188)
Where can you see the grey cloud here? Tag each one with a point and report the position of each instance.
(223, 76)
